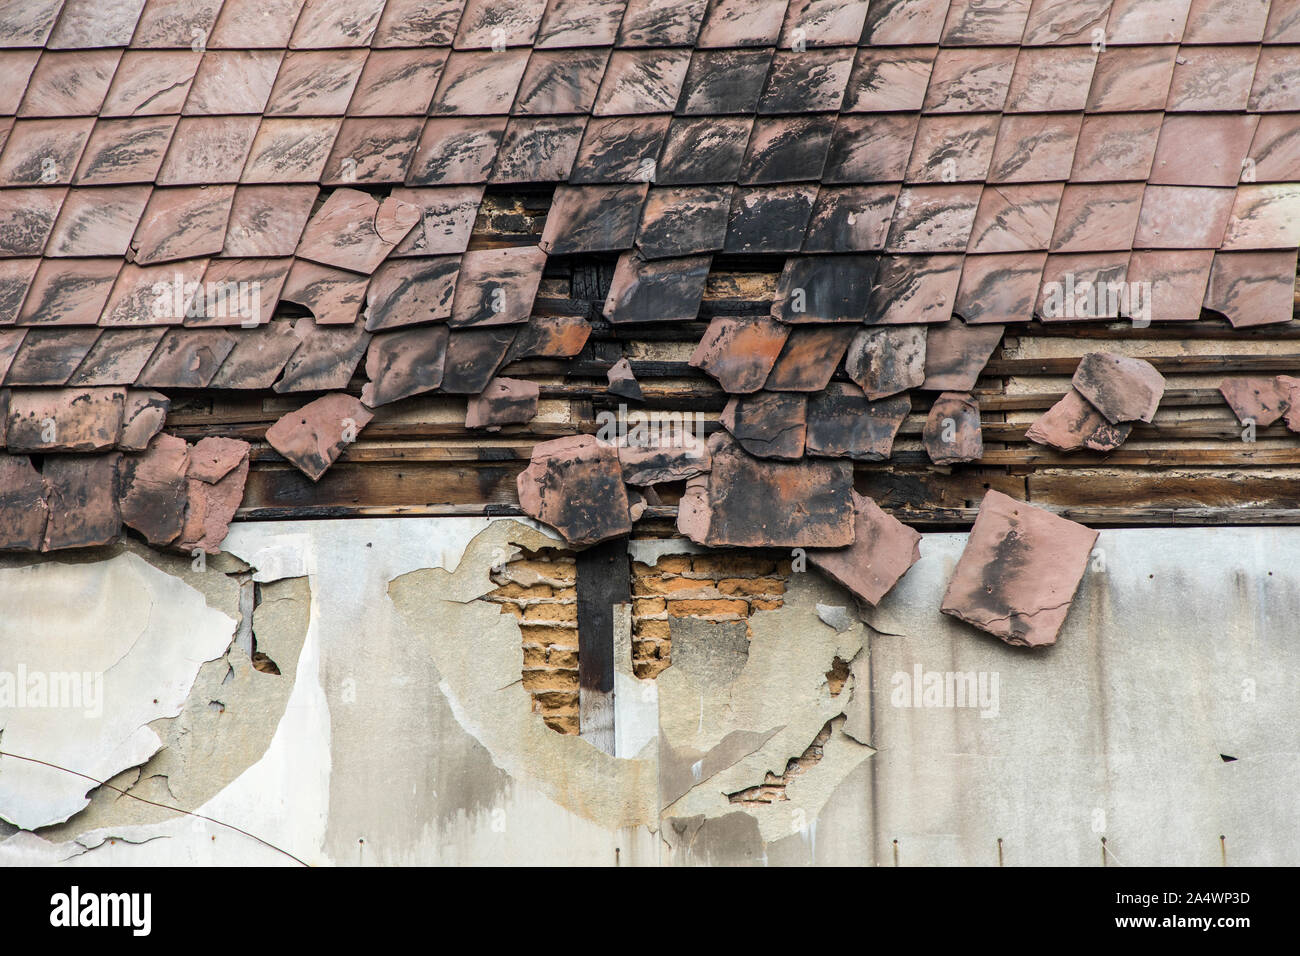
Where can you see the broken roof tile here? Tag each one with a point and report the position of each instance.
(575, 485)
(952, 429)
(561, 81)
(1141, 21)
(313, 437)
(1257, 400)
(1053, 78)
(787, 148)
(550, 336)
(720, 82)
(745, 501)
(1212, 78)
(70, 83)
(1277, 80)
(985, 22)
(914, 289)
(81, 491)
(739, 351)
(210, 509)
(69, 291)
(497, 286)
(27, 217)
(621, 381)
(153, 295)
(933, 218)
(447, 215)
(956, 353)
(870, 149)
(43, 151)
(1116, 146)
(1122, 388)
(1019, 571)
(1174, 282)
(683, 220)
(844, 423)
(1183, 217)
(208, 149)
(97, 221)
(642, 81)
(404, 363)
(258, 357)
(883, 550)
(666, 454)
(1128, 79)
(151, 82)
(1097, 218)
(904, 21)
(473, 357)
(232, 82)
(888, 360)
(1253, 288)
(999, 288)
(810, 81)
(661, 22)
(658, 290)
(593, 219)
(456, 150)
(125, 150)
(1015, 218)
(970, 80)
(64, 419)
(1262, 217)
(267, 220)
(327, 24)
(850, 218)
(704, 150)
(889, 79)
(49, 356)
(373, 151)
(538, 149)
(23, 511)
(1226, 21)
(290, 150)
(950, 149)
(354, 230)
(506, 401)
(769, 218)
(181, 223)
(825, 288)
(154, 490)
(768, 424)
(809, 358)
(578, 23)
(187, 358)
(1073, 423)
(619, 149)
(117, 357)
(325, 358)
(1035, 147)
(333, 296)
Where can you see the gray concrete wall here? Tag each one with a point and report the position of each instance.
(398, 731)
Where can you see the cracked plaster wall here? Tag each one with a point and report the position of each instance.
(399, 730)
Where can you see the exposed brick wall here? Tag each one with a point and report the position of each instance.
(540, 590)
(723, 586)
(772, 789)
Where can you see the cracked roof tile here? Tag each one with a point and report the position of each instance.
(325, 359)
(1252, 288)
(23, 511)
(844, 423)
(454, 151)
(258, 357)
(1256, 399)
(768, 424)
(154, 490)
(1016, 218)
(446, 220)
(683, 220)
(81, 491)
(151, 83)
(1122, 388)
(506, 401)
(912, 289)
(474, 355)
(739, 351)
(353, 230)
(887, 360)
(1073, 423)
(1097, 218)
(658, 290)
(575, 485)
(404, 363)
(333, 296)
(809, 358)
(241, 292)
(187, 358)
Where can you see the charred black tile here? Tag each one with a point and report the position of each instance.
(722, 82)
(844, 423)
(404, 363)
(871, 148)
(550, 336)
(684, 220)
(851, 218)
(620, 149)
(50, 356)
(538, 149)
(768, 424)
(497, 286)
(825, 288)
(473, 357)
(787, 149)
(659, 290)
(808, 81)
(593, 219)
(769, 218)
(914, 289)
(81, 491)
(709, 150)
(886, 360)
(622, 381)
(956, 353)
(739, 351)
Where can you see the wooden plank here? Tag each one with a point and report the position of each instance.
(604, 580)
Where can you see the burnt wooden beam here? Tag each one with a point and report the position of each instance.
(604, 580)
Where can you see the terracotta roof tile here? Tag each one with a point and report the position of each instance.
(446, 221)
(15, 279)
(999, 288)
(950, 149)
(16, 68)
(261, 24)
(333, 296)
(870, 149)
(64, 420)
(659, 290)
(742, 23)
(563, 480)
(593, 219)
(69, 291)
(1035, 147)
(181, 223)
(1065, 21)
(1277, 80)
(187, 358)
(1283, 24)
(886, 360)
(1202, 150)
(1117, 146)
(505, 401)
(1212, 78)
(1016, 218)
(579, 23)
(661, 22)
(208, 149)
(786, 149)
(1097, 218)
(23, 511)
(117, 357)
(327, 24)
(619, 149)
(325, 359)
(315, 82)
(825, 288)
(65, 83)
(887, 80)
(10, 341)
(550, 336)
(642, 81)
(724, 81)
(267, 220)
(892, 22)
(1226, 21)
(956, 353)
(538, 149)
(1176, 281)
(473, 357)
(354, 230)
(479, 82)
(1048, 79)
(561, 81)
(313, 437)
(172, 23)
(704, 150)
(43, 151)
(241, 292)
(809, 358)
(933, 218)
(233, 82)
(497, 286)
(985, 22)
(95, 23)
(739, 351)
(850, 219)
(49, 356)
(97, 221)
(486, 23)
(453, 151)
(1128, 79)
(125, 150)
(417, 23)
(1263, 217)
(1123, 388)
(397, 82)
(1252, 288)
(373, 151)
(258, 357)
(1274, 154)
(769, 218)
(1074, 423)
(882, 552)
(151, 83)
(843, 423)
(134, 300)
(952, 429)
(28, 24)
(405, 363)
(823, 23)
(81, 491)
(1142, 21)
(768, 424)
(27, 217)
(808, 82)
(154, 490)
(1260, 400)
(290, 150)
(914, 289)
(1183, 217)
(1068, 278)
(683, 220)
(970, 80)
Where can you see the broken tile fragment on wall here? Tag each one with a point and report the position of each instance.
(312, 437)
(575, 485)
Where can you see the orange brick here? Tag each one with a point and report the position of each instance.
(674, 564)
(647, 606)
(651, 629)
(747, 586)
(557, 700)
(513, 590)
(546, 679)
(760, 604)
(564, 724)
(732, 565)
(716, 608)
(565, 637)
(552, 612)
(669, 585)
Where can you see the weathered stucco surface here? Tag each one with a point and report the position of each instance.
(398, 729)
